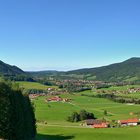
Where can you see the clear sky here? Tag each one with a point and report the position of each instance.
(68, 34)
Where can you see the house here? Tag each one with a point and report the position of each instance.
(96, 123)
(91, 122)
(129, 122)
(102, 125)
(50, 89)
(55, 99)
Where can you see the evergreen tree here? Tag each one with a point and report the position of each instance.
(17, 119)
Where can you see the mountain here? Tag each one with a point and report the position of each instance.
(128, 70)
(8, 70)
(44, 73)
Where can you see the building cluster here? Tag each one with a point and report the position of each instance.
(57, 99)
(133, 90)
(34, 96)
(104, 124)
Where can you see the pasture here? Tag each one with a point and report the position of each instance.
(52, 124)
(34, 85)
(57, 112)
(67, 133)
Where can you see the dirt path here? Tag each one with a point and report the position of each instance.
(64, 126)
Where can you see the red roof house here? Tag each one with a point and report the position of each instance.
(55, 99)
(102, 125)
(129, 122)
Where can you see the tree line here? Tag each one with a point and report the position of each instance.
(116, 98)
(72, 87)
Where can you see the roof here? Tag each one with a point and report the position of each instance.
(103, 125)
(93, 121)
(135, 120)
(55, 98)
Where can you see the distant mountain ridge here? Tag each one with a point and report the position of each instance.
(6, 69)
(124, 71)
(43, 73)
(128, 70)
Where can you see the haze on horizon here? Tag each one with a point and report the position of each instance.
(66, 35)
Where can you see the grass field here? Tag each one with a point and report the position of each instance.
(56, 112)
(34, 85)
(63, 133)
(57, 128)
(121, 88)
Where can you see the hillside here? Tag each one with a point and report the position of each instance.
(6, 69)
(44, 73)
(128, 70)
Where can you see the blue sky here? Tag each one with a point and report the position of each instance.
(68, 34)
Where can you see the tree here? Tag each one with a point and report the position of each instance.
(17, 119)
(5, 111)
(90, 116)
(105, 112)
(82, 115)
(74, 117)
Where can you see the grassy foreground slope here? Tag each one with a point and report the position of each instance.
(63, 133)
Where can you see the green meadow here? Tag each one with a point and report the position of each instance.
(56, 112)
(57, 128)
(65, 133)
(120, 88)
(52, 124)
(34, 85)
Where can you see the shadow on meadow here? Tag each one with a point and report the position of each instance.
(53, 137)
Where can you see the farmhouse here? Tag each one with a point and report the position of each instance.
(129, 122)
(91, 122)
(96, 123)
(102, 125)
(55, 99)
(51, 89)
(58, 99)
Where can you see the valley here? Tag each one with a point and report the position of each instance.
(57, 96)
(69, 70)
(52, 116)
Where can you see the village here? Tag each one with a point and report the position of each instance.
(57, 99)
